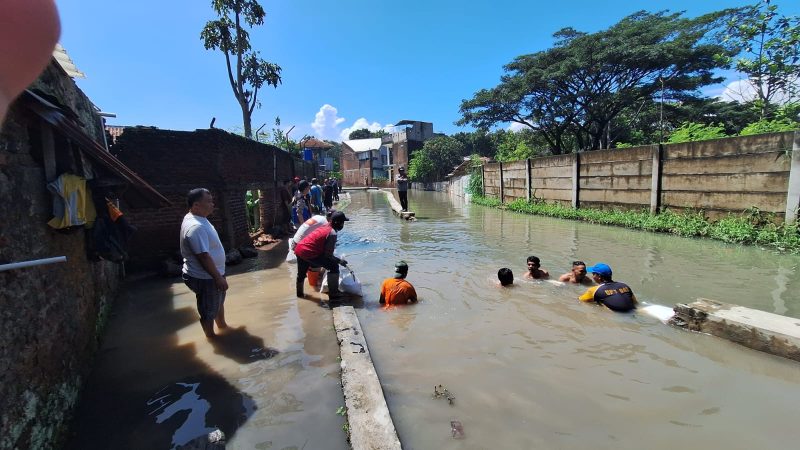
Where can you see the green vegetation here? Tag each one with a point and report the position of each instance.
(752, 228)
(364, 133)
(689, 132)
(436, 158)
(640, 81)
(475, 186)
(770, 126)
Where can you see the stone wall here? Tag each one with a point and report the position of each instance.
(175, 162)
(718, 176)
(51, 316)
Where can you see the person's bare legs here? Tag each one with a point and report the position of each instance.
(29, 30)
(208, 328)
(220, 319)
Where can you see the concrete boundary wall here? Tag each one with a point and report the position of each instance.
(719, 176)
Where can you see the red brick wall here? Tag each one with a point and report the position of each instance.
(175, 162)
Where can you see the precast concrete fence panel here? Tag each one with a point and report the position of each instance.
(719, 177)
(515, 180)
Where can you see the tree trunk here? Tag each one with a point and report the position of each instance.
(246, 121)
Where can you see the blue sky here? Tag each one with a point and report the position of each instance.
(346, 63)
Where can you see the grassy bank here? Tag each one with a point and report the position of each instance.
(752, 228)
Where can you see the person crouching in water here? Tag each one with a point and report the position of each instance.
(505, 276)
(577, 275)
(396, 290)
(614, 295)
(316, 250)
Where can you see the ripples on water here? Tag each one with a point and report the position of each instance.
(530, 366)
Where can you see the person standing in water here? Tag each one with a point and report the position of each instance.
(402, 187)
(204, 260)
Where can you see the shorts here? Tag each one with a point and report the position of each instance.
(209, 298)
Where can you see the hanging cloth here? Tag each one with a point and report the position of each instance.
(72, 202)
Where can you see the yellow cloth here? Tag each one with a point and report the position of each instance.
(72, 202)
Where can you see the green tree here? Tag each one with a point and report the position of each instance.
(689, 132)
(770, 126)
(364, 133)
(572, 94)
(421, 167)
(768, 48)
(248, 72)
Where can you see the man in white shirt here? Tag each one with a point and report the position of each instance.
(204, 260)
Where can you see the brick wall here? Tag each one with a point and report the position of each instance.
(175, 162)
(53, 314)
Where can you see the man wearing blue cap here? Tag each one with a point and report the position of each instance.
(614, 295)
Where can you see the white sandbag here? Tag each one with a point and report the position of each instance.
(348, 283)
(662, 313)
(291, 258)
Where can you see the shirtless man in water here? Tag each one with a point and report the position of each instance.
(577, 275)
(535, 270)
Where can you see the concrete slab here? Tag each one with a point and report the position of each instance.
(371, 426)
(397, 209)
(759, 330)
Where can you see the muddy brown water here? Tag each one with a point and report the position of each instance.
(270, 382)
(531, 367)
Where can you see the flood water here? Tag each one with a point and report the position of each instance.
(531, 367)
(271, 381)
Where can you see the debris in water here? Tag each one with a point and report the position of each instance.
(457, 429)
(442, 392)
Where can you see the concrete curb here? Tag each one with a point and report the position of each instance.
(759, 330)
(397, 209)
(371, 426)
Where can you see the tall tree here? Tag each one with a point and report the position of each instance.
(573, 92)
(248, 72)
(768, 49)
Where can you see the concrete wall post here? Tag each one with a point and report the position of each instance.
(655, 185)
(483, 180)
(793, 191)
(528, 181)
(575, 179)
(502, 185)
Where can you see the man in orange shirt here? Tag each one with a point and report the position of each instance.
(396, 290)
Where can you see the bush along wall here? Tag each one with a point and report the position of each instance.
(754, 227)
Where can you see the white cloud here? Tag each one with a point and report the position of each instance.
(364, 123)
(515, 126)
(326, 122)
(743, 90)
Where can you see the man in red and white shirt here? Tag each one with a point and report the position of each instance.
(316, 250)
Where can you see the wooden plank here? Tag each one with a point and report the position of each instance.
(733, 201)
(747, 182)
(762, 162)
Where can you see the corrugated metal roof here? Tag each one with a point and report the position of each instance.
(66, 62)
(140, 194)
(363, 145)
